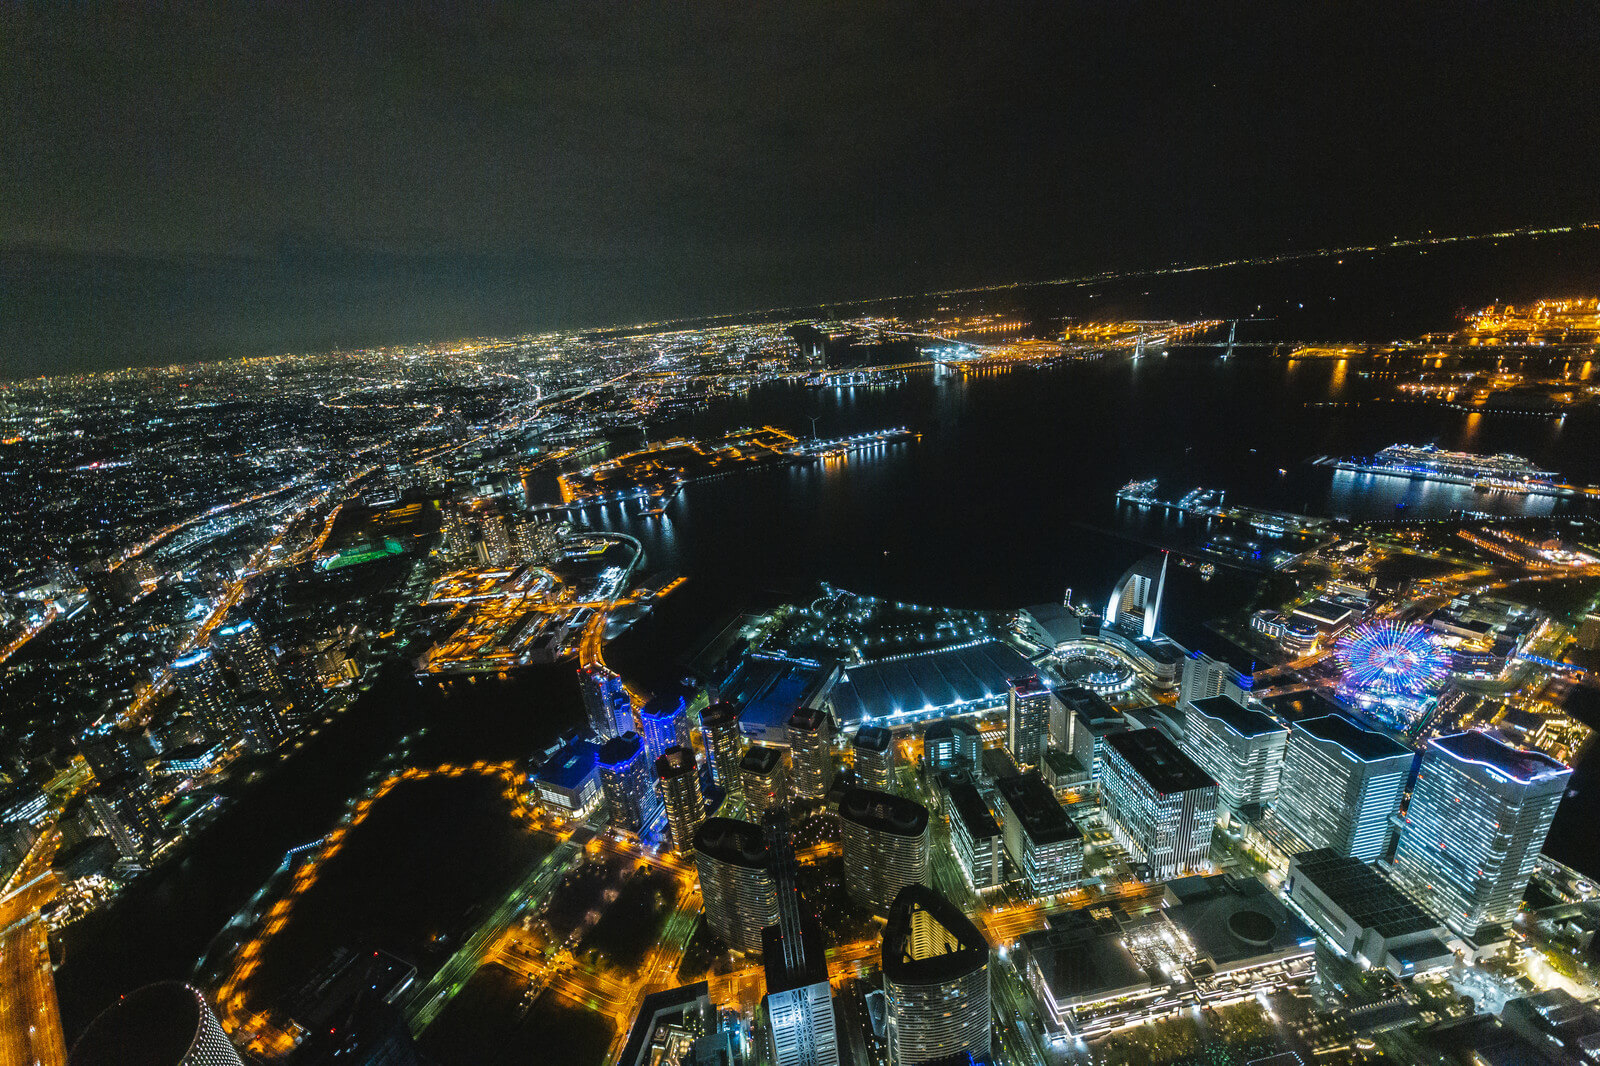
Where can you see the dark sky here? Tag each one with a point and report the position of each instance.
(290, 177)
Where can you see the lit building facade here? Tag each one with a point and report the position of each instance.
(810, 735)
(935, 980)
(719, 729)
(678, 780)
(625, 782)
(205, 694)
(1242, 748)
(885, 846)
(735, 868)
(1028, 706)
(664, 723)
(873, 751)
(1159, 803)
(1478, 815)
(1340, 785)
(764, 780)
(1040, 838)
(606, 702)
(163, 1015)
(951, 747)
(247, 655)
(974, 834)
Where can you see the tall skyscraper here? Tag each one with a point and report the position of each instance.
(165, 1024)
(606, 702)
(1040, 838)
(625, 782)
(1340, 785)
(205, 695)
(936, 981)
(678, 779)
(873, 750)
(1159, 803)
(763, 780)
(885, 846)
(719, 729)
(1028, 703)
(735, 868)
(798, 1008)
(246, 653)
(810, 736)
(664, 721)
(1478, 815)
(1242, 748)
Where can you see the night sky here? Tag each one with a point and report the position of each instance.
(294, 177)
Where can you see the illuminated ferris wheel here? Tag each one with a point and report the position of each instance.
(1391, 659)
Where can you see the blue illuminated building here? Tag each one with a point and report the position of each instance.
(1477, 819)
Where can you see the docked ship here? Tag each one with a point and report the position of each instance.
(1482, 473)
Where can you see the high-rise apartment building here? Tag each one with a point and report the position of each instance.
(606, 702)
(204, 693)
(885, 846)
(935, 980)
(810, 735)
(763, 779)
(678, 780)
(247, 655)
(664, 723)
(625, 782)
(719, 729)
(735, 868)
(873, 751)
(165, 1024)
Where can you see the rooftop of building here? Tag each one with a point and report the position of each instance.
(808, 719)
(720, 713)
(1327, 612)
(967, 806)
(1245, 721)
(666, 705)
(1514, 764)
(1158, 760)
(1061, 622)
(733, 841)
(884, 812)
(1034, 805)
(949, 681)
(1231, 921)
(568, 767)
(872, 738)
(949, 728)
(760, 759)
(1365, 744)
(904, 964)
(1361, 892)
(676, 761)
(657, 1009)
(152, 1026)
(767, 688)
(619, 749)
(1082, 959)
(1086, 703)
(1029, 685)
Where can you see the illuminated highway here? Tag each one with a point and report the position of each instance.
(30, 1017)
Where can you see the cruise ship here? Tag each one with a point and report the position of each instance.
(1486, 473)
